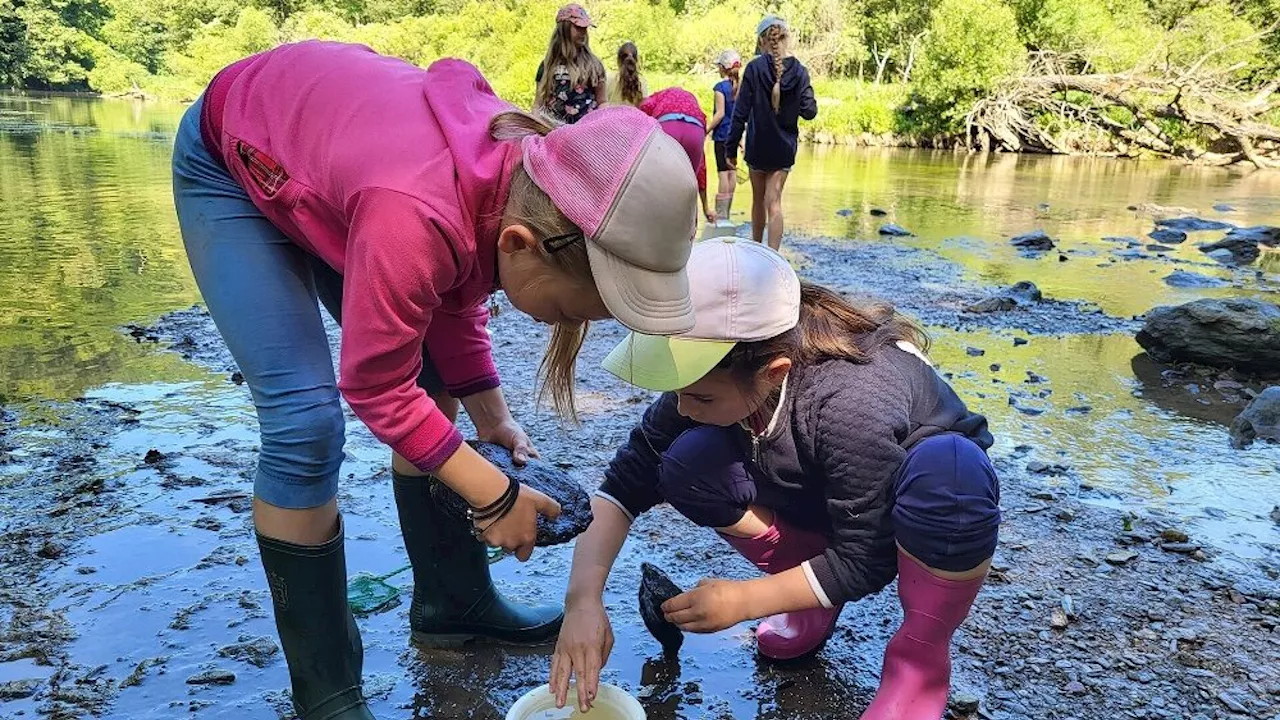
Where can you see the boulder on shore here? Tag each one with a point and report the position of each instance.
(1036, 240)
(1022, 293)
(1259, 421)
(1234, 333)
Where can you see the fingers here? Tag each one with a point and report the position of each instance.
(683, 601)
(543, 504)
(524, 552)
(588, 681)
(561, 670)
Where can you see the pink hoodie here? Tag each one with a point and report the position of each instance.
(388, 174)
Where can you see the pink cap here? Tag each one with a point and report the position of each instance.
(630, 188)
(575, 14)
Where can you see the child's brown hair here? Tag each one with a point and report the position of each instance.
(584, 67)
(629, 74)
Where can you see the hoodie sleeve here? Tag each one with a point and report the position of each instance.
(398, 264)
(808, 104)
(741, 111)
(631, 480)
(856, 441)
(459, 344)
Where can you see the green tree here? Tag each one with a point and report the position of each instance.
(14, 49)
(971, 46)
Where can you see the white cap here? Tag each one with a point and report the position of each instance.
(742, 292)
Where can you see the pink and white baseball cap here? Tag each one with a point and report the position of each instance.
(742, 292)
(575, 14)
(629, 187)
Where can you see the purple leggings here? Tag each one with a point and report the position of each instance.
(691, 137)
(946, 496)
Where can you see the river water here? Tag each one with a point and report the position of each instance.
(89, 243)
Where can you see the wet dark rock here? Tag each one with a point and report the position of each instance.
(51, 550)
(965, 703)
(1037, 241)
(1173, 536)
(1238, 333)
(844, 212)
(1239, 251)
(1259, 421)
(18, 689)
(878, 212)
(1168, 237)
(237, 377)
(655, 589)
(1062, 258)
(993, 305)
(1040, 467)
(1079, 410)
(1187, 279)
(259, 651)
(892, 230)
(1026, 292)
(1259, 234)
(1275, 514)
(153, 457)
(1020, 341)
(1193, 224)
(995, 367)
(212, 677)
(575, 504)
(975, 352)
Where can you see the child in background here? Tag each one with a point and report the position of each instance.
(814, 436)
(678, 113)
(726, 94)
(775, 93)
(627, 86)
(571, 79)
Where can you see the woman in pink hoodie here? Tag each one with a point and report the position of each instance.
(402, 199)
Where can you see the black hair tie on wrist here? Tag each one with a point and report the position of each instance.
(494, 511)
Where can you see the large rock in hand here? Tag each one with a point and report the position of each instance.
(575, 504)
(1259, 421)
(1237, 333)
(655, 589)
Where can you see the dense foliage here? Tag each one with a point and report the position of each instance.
(882, 65)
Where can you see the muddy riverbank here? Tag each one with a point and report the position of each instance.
(131, 586)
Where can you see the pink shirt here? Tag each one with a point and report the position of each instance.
(678, 101)
(387, 173)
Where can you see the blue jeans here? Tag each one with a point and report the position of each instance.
(262, 291)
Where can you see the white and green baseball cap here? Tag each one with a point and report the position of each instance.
(742, 291)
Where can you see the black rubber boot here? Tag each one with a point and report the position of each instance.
(454, 600)
(317, 631)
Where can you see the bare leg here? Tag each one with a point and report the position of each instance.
(777, 180)
(754, 521)
(977, 572)
(759, 181)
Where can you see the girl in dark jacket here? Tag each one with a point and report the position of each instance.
(815, 437)
(775, 93)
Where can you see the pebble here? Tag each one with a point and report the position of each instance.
(212, 677)
(1020, 341)
(975, 352)
(1121, 557)
(51, 550)
(995, 367)
(1074, 688)
(1173, 536)
(965, 703)
(259, 651)
(1058, 620)
(1066, 515)
(1232, 704)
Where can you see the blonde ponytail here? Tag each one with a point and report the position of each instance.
(773, 41)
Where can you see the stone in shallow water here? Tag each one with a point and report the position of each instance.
(1036, 240)
(1186, 279)
(895, 230)
(1168, 237)
(575, 504)
(1193, 224)
(655, 589)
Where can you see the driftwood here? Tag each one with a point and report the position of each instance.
(1232, 125)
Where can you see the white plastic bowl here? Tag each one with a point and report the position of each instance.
(611, 704)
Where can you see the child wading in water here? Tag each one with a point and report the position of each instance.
(774, 95)
(571, 79)
(401, 199)
(726, 95)
(679, 115)
(627, 87)
(816, 439)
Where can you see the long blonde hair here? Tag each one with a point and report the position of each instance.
(773, 42)
(584, 67)
(528, 205)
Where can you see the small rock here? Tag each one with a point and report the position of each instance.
(1026, 292)
(1185, 279)
(975, 352)
(1062, 258)
(153, 457)
(891, 230)
(1181, 548)
(18, 689)
(212, 677)
(844, 212)
(965, 703)
(1058, 619)
(51, 550)
(1223, 208)
(1037, 241)
(995, 367)
(1193, 224)
(258, 652)
(86, 570)
(1121, 557)
(1239, 250)
(1020, 341)
(1168, 237)
(1173, 536)
(1275, 514)
(1079, 410)
(1232, 704)
(1128, 241)
(1259, 421)
(1066, 515)
(237, 377)
(878, 212)
(993, 305)
(1069, 606)
(1074, 688)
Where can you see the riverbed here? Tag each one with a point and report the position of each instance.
(129, 572)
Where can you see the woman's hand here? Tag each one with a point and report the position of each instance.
(710, 607)
(508, 433)
(586, 639)
(517, 531)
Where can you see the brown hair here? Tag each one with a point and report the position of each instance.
(734, 74)
(830, 328)
(629, 74)
(528, 205)
(584, 67)
(773, 42)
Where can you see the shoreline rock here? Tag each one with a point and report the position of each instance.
(1237, 333)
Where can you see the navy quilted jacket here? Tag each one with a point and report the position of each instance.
(830, 462)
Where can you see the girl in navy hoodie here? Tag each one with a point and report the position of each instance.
(774, 95)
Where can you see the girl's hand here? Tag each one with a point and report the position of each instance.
(508, 433)
(712, 217)
(586, 639)
(710, 607)
(518, 530)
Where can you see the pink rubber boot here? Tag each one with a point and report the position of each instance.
(787, 636)
(917, 662)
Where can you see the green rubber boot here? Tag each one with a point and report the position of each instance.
(317, 631)
(454, 600)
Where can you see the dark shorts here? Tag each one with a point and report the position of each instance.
(722, 157)
(946, 494)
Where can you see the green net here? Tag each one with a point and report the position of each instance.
(369, 594)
